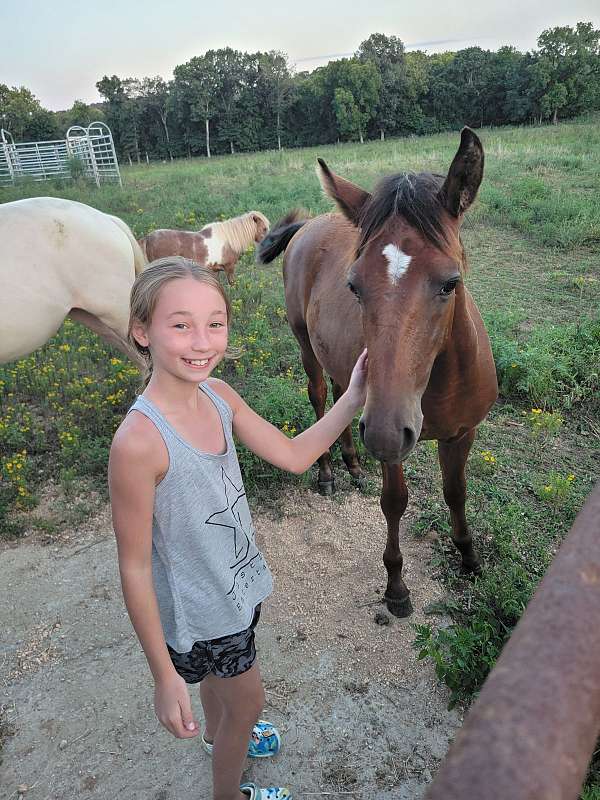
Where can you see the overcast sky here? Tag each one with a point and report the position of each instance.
(60, 49)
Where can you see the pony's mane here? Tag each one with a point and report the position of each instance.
(416, 198)
(238, 232)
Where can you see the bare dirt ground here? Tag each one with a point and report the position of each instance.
(360, 716)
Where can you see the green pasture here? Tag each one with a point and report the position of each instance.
(533, 242)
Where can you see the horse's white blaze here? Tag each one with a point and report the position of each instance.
(398, 262)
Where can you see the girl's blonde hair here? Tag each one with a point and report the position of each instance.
(146, 291)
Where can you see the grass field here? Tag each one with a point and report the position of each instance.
(533, 241)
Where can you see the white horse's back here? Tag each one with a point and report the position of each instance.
(58, 255)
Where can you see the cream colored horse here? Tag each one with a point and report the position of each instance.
(60, 258)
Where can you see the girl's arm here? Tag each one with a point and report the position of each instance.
(132, 474)
(297, 454)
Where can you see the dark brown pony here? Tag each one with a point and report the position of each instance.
(388, 272)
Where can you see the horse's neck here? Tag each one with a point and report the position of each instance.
(236, 232)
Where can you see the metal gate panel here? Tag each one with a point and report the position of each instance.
(41, 161)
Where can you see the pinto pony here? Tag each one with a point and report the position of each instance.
(388, 273)
(60, 258)
(218, 245)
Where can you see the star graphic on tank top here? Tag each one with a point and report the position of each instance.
(222, 519)
(242, 539)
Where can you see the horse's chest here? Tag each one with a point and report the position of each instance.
(214, 251)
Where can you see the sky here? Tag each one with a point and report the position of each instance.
(60, 49)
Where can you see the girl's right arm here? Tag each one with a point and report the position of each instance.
(134, 464)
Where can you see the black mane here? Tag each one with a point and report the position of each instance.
(416, 197)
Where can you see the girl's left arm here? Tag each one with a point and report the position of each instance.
(297, 454)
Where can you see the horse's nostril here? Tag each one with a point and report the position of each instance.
(409, 437)
(361, 430)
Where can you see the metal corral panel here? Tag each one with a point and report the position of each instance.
(41, 161)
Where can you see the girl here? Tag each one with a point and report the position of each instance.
(192, 576)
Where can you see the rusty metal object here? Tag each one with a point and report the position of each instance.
(532, 731)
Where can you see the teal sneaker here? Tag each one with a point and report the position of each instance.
(264, 742)
(272, 793)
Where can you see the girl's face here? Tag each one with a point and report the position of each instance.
(187, 335)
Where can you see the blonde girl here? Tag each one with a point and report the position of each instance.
(193, 578)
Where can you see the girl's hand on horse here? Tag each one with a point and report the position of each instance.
(173, 707)
(357, 388)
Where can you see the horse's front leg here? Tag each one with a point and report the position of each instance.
(453, 458)
(347, 444)
(394, 497)
(317, 394)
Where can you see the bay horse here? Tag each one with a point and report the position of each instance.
(217, 245)
(388, 273)
(60, 258)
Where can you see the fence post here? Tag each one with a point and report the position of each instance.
(532, 731)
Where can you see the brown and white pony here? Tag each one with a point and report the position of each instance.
(388, 272)
(218, 245)
(60, 258)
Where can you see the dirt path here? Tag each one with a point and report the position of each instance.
(361, 717)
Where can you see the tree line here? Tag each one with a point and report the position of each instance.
(228, 101)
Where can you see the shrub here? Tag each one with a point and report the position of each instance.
(557, 367)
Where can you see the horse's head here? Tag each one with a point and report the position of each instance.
(407, 276)
(261, 225)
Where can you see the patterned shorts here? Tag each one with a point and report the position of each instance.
(224, 657)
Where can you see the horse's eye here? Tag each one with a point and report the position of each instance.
(449, 287)
(353, 289)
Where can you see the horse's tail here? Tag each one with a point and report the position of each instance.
(280, 235)
(139, 255)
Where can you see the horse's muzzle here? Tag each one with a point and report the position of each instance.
(392, 443)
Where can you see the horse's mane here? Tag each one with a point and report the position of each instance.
(238, 232)
(416, 197)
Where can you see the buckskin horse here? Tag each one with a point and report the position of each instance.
(388, 273)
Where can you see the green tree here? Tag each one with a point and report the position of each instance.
(347, 113)
(23, 116)
(441, 104)
(155, 102)
(307, 118)
(80, 113)
(402, 81)
(198, 86)
(567, 71)
(507, 93)
(122, 113)
(355, 106)
(275, 83)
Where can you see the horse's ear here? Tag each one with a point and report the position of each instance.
(464, 176)
(350, 199)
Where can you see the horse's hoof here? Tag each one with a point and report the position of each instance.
(326, 488)
(471, 567)
(399, 607)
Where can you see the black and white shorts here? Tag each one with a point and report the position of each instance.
(224, 657)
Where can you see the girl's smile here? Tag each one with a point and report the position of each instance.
(196, 362)
(188, 330)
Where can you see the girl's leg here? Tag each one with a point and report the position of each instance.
(242, 699)
(213, 709)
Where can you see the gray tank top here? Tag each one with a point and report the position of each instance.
(208, 573)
